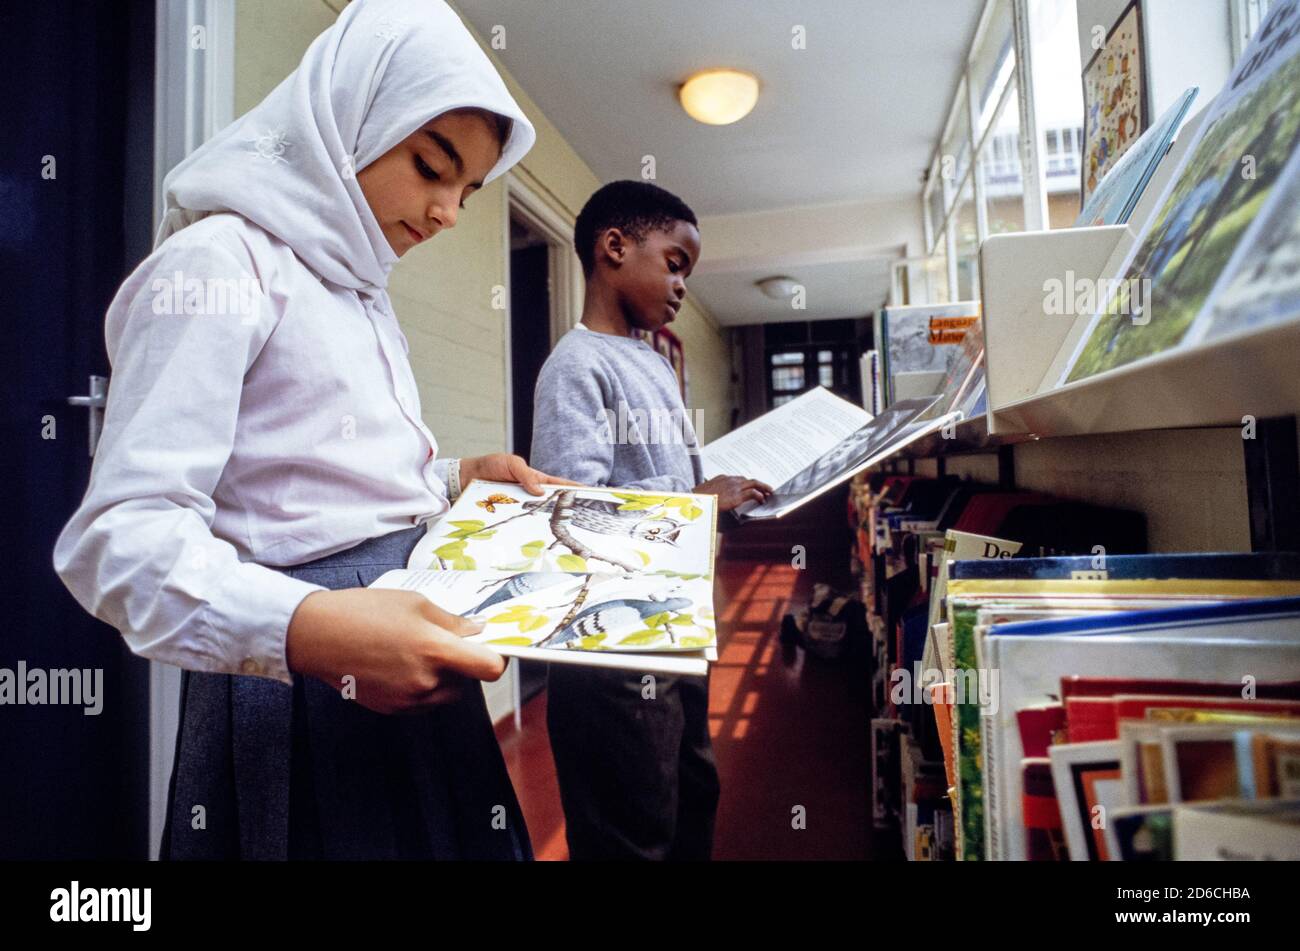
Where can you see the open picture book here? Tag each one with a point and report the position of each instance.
(602, 577)
(816, 441)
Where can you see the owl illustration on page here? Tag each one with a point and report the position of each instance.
(604, 517)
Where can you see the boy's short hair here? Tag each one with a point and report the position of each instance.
(632, 207)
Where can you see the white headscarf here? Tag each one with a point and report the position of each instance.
(383, 70)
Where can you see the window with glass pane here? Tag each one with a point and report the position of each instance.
(936, 214)
(1058, 100)
(1000, 167)
(993, 64)
(968, 244)
(787, 378)
(955, 154)
(936, 274)
(830, 361)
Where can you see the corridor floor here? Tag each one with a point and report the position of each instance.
(789, 731)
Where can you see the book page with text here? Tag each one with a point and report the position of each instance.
(780, 444)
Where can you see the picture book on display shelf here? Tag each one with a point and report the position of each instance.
(1117, 194)
(815, 442)
(1199, 244)
(920, 339)
(593, 576)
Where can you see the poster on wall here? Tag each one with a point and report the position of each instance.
(1114, 98)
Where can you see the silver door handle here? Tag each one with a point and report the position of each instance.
(95, 401)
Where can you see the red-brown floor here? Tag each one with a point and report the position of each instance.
(788, 731)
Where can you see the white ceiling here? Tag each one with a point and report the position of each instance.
(835, 289)
(852, 118)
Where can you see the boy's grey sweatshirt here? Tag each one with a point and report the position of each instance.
(608, 411)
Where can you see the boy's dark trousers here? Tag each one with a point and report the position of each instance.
(637, 777)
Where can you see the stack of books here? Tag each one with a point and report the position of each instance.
(1073, 706)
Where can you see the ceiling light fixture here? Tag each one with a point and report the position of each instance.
(719, 96)
(778, 288)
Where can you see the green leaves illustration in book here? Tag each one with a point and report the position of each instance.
(574, 569)
(601, 612)
(576, 530)
(587, 626)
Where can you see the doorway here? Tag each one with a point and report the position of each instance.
(530, 323)
(76, 165)
(545, 302)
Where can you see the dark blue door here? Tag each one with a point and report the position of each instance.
(75, 217)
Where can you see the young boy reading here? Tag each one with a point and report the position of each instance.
(632, 753)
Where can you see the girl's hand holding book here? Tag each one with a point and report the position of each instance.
(505, 467)
(404, 652)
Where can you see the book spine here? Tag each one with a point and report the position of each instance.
(966, 726)
(992, 840)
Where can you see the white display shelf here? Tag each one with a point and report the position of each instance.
(969, 436)
(1255, 374)
(1217, 383)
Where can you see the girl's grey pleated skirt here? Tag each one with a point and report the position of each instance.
(298, 772)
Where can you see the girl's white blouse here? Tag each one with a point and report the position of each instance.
(256, 416)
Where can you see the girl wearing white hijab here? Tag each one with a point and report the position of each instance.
(263, 459)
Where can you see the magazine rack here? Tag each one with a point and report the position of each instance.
(1251, 378)
(1218, 383)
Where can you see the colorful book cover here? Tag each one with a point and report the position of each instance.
(1145, 686)
(603, 577)
(1202, 762)
(1261, 284)
(1162, 643)
(1238, 832)
(939, 698)
(965, 372)
(1040, 726)
(1086, 778)
(1121, 188)
(921, 338)
(1275, 766)
(958, 546)
(1141, 834)
(969, 803)
(986, 749)
(1245, 566)
(1098, 718)
(1044, 834)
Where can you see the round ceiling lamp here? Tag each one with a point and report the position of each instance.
(719, 96)
(778, 288)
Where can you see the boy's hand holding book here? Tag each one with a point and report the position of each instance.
(734, 491)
